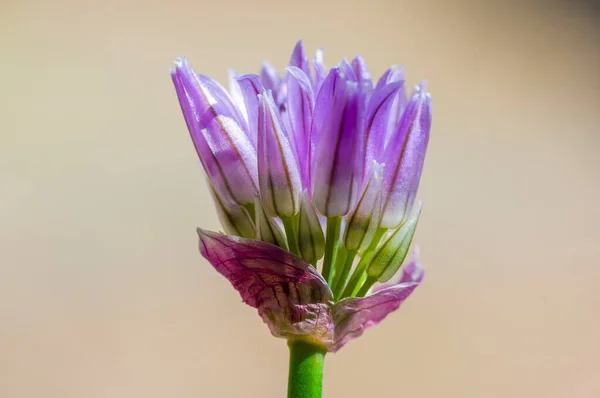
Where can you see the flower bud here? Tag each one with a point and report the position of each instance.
(364, 220)
(311, 240)
(267, 229)
(234, 218)
(391, 254)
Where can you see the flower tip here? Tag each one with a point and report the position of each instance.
(319, 55)
(265, 96)
(180, 62)
(413, 272)
(202, 233)
(422, 88)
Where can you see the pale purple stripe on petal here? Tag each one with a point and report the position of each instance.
(291, 296)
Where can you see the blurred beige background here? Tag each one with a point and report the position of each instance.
(103, 292)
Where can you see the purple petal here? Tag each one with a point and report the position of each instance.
(217, 130)
(348, 70)
(320, 70)
(250, 87)
(361, 71)
(393, 74)
(272, 81)
(299, 58)
(278, 173)
(269, 77)
(353, 315)
(292, 298)
(404, 157)
(300, 105)
(376, 121)
(333, 172)
(236, 92)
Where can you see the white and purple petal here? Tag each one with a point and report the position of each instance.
(218, 132)
(404, 157)
(299, 58)
(278, 173)
(375, 124)
(250, 87)
(299, 114)
(334, 175)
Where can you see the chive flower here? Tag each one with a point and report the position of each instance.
(314, 175)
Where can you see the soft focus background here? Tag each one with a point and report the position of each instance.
(103, 292)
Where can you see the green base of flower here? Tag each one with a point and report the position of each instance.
(306, 369)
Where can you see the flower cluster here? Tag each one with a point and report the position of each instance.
(315, 168)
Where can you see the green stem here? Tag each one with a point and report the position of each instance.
(360, 269)
(357, 275)
(331, 243)
(289, 225)
(339, 259)
(367, 285)
(341, 275)
(306, 370)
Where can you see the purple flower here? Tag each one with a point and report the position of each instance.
(313, 168)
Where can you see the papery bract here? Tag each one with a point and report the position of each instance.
(292, 297)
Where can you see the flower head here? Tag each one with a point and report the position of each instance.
(287, 155)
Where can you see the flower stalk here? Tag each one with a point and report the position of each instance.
(305, 378)
(332, 238)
